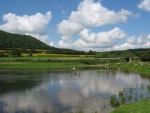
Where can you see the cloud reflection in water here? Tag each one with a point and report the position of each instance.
(61, 92)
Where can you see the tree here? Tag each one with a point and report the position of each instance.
(2, 54)
(145, 56)
(15, 52)
(30, 52)
(91, 52)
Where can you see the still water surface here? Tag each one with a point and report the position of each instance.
(63, 91)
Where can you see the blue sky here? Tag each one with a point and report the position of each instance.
(102, 25)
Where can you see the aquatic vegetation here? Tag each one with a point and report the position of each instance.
(121, 93)
(142, 86)
(114, 101)
(148, 87)
(129, 95)
(80, 111)
(123, 100)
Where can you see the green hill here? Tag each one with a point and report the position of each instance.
(123, 53)
(143, 54)
(10, 40)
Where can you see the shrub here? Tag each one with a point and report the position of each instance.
(114, 102)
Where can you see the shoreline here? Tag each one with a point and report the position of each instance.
(137, 67)
(137, 107)
(143, 68)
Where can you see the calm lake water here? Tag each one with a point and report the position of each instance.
(66, 92)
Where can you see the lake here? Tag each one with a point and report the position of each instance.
(67, 91)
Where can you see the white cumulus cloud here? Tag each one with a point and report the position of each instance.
(43, 38)
(68, 28)
(106, 41)
(92, 40)
(91, 14)
(142, 41)
(145, 5)
(102, 39)
(34, 25)
(52, 44)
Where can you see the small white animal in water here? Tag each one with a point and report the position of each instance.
(74, 68)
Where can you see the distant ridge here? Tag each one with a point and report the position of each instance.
(10, 40)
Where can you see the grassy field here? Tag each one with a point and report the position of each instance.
(41, 65)
(47, 63)
(138, 107)
(68, 62)
(47, 56)
(139, 67)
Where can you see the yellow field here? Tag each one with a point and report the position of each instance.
(43, 53)
(4, 51)
(60, 55)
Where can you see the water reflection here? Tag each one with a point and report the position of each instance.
(64, 92)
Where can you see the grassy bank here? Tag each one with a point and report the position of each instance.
(50, 62)
(70, 62)
(35, 65)
(138, 67)
(50, 65)
(138, 107)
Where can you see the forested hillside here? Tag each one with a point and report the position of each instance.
(143, 54)
(9, 40)
(22, 42)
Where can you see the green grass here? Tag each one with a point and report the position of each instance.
(138, 107)
(45, 58)
(37, 65)
(47, 62)
(142, 68)
(59, 62)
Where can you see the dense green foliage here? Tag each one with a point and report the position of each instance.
(9, 40)
(145, 56)
(15, 52)
(126, 53)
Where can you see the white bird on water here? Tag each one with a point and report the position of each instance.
(74, 68)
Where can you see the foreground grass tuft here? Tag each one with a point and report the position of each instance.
(138, 107)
